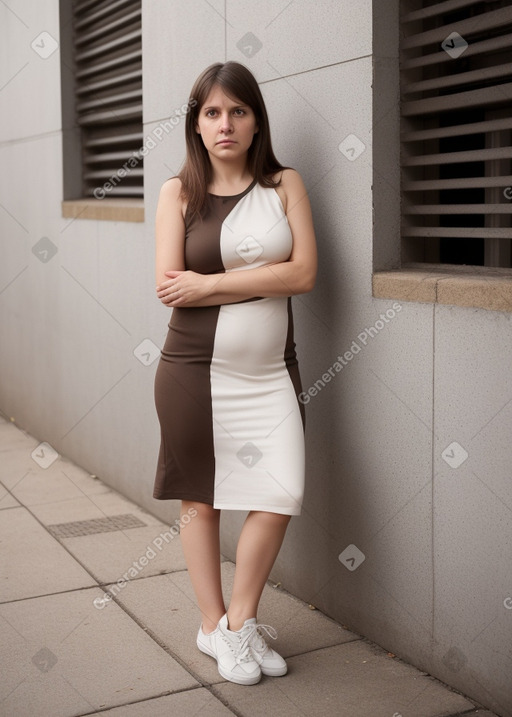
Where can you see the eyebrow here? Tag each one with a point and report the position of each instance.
(233, 107)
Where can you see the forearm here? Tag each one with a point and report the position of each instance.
(188, 288)
(281, 279)
(219, 299)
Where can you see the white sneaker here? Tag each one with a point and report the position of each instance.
(235, 660)
(203, 641)
(271, 663)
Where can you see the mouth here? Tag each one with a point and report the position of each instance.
(226, 141)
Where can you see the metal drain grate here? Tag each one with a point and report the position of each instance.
(96, 525)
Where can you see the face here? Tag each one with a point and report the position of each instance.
(226, 126)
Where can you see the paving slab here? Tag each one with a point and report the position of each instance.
(85, 507)
(81, 497)
(94, 500)
(12, 437)
(16, 458)
(59, 482)
(6, 499)
(63, 657)
(37, 474)
(192, 703)
(32, 562)
(14, 467)
(166, 605)
(131, 552)
(356, 679)
(171, 613)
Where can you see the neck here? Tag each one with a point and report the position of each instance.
(231, 173)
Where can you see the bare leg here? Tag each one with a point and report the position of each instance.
(259, 543)
(201, 547)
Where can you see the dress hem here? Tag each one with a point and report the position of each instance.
(262, 508)
(231, 506)
(185, 496)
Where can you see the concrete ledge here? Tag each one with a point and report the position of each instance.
(115, 210)
(480, 287)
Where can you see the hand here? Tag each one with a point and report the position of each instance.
(185, 288)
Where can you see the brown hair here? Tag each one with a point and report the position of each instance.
(239, 83)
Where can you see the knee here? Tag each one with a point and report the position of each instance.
(272, 519)
(203, 511)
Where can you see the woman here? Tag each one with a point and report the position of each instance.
(234, 241)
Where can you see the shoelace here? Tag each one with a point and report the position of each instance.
(254, 631)
(242, 654)
(247, 633)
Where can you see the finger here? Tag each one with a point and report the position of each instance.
(174, 296)
(166, 288)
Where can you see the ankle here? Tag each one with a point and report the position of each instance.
(236, 622)
(209, 626)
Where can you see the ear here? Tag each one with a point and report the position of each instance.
(198, 131)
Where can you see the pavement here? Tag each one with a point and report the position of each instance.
(69, 647)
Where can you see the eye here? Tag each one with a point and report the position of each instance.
(210, 113)
(239, 112)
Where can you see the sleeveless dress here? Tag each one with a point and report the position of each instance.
(227, 383)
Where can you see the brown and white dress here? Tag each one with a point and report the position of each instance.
(227, 383)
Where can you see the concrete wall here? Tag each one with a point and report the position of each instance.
(436, 539)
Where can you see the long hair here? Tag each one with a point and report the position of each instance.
(196, 174)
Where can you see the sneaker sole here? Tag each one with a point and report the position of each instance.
(206, 650)
(239, 680)
(226, 675)
(275, 672)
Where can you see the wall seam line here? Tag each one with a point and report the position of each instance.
(315, 69)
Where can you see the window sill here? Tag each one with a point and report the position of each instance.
(474, 286)
(114, 210)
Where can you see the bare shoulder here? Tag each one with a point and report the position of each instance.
(170, 195)
(291, 187)
(290, 178)
(171, 188)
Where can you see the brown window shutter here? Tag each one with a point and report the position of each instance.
(456, 131)
(108, 74)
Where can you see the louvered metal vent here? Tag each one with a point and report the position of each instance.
(456, 80)
(108, 61)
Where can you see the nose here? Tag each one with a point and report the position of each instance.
(225, 122)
